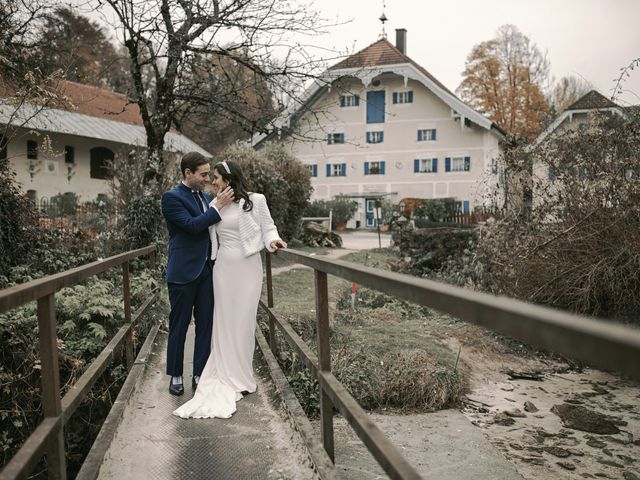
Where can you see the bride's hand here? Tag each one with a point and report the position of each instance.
(278, 244)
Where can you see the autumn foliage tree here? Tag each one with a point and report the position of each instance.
(504, 78)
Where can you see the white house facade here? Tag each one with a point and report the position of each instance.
(56, 151)
(378, 125)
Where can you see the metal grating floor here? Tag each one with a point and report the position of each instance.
(151, 443)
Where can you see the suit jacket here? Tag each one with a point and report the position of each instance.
(188, 233)
(257, 230)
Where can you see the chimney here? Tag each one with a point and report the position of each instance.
(401, 40)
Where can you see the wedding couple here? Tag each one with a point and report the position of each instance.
(228, 231)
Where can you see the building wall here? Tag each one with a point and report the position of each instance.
(399, 149)
(52, 176)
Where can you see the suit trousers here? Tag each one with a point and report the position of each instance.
(190, 299)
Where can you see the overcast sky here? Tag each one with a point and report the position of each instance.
(591, 39)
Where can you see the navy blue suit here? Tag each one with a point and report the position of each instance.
(189, 278)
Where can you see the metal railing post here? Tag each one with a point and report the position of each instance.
(50, 374)
(126, 291)
(324, 360)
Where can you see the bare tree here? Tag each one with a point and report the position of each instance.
(566, 91)
(504, 78)
(171, 39)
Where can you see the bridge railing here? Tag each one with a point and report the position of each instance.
(48, 437)
(603, 344)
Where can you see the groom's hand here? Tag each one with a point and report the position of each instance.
(224, 198)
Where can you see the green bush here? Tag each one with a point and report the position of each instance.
(143, 222)
(62, 204)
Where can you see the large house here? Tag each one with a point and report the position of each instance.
(378, 125)
(56, 151)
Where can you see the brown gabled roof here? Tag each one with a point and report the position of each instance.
(101, 103)
(591, 101)
(380, 53)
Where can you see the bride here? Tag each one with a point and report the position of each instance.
(245, 229)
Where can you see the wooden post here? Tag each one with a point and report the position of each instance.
(50, 374)
(126, 291)
(273, 344)
(324, 359)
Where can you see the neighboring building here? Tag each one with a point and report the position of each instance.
(380, 125)
(55, 151)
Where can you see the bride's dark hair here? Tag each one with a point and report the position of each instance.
(236, 181)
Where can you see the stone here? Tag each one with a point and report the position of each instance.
(515, 413)
(581, 418)
(567, 465)
(627, 475)
(592, 442)
(557, 451)
(530, 407)
(504, 420)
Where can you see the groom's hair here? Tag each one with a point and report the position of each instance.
(192, 161)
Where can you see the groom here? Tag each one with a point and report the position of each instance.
(188, 216)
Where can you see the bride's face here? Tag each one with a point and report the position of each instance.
(218, 182)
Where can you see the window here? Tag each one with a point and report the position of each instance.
(425, 165)
(374, 168)
(336, 169)
(463, 206)
(403, 97)
(457, 164)
(375, 137)
(69, 154)
(313, 170)
(349, 100)
(101, 157)
(32, 150)
(335, 138)
(427, 135)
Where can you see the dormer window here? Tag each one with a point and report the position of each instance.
(403, 97)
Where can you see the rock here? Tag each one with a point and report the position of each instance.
(515, 413)
(567, 465)
(627, 460)
(502, 419)
(610, 463)
(316, 235)
(557, 451)
(627, 475)
(592, 442)
(581, 418)
(576, 453)
(530, 407)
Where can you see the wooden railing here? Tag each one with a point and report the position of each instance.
(603, 344)
(48, 437)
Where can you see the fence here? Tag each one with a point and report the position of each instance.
(48, 437)
(602, 344)
(64, 211)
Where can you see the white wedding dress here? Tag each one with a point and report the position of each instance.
(237, 283)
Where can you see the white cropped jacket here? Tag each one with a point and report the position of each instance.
(257, 230)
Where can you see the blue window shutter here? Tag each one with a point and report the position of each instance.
(381, 137)
(465, 206)
(467, 164)
(366, 168)
(434, 165)
(410, 95)
(395, 97)
(341, 138)
(434, 134)
(328, 169)
(342, 100)
(343, 170)
(368, 137)
(416, 165)
(381, 168)
(314, 171)
(447, 164)
(375, 106)
(356, 100)
(329, 139)
(420, 133)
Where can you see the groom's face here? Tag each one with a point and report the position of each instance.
(197, 180)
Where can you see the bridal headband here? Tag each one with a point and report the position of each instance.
(226, 166)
